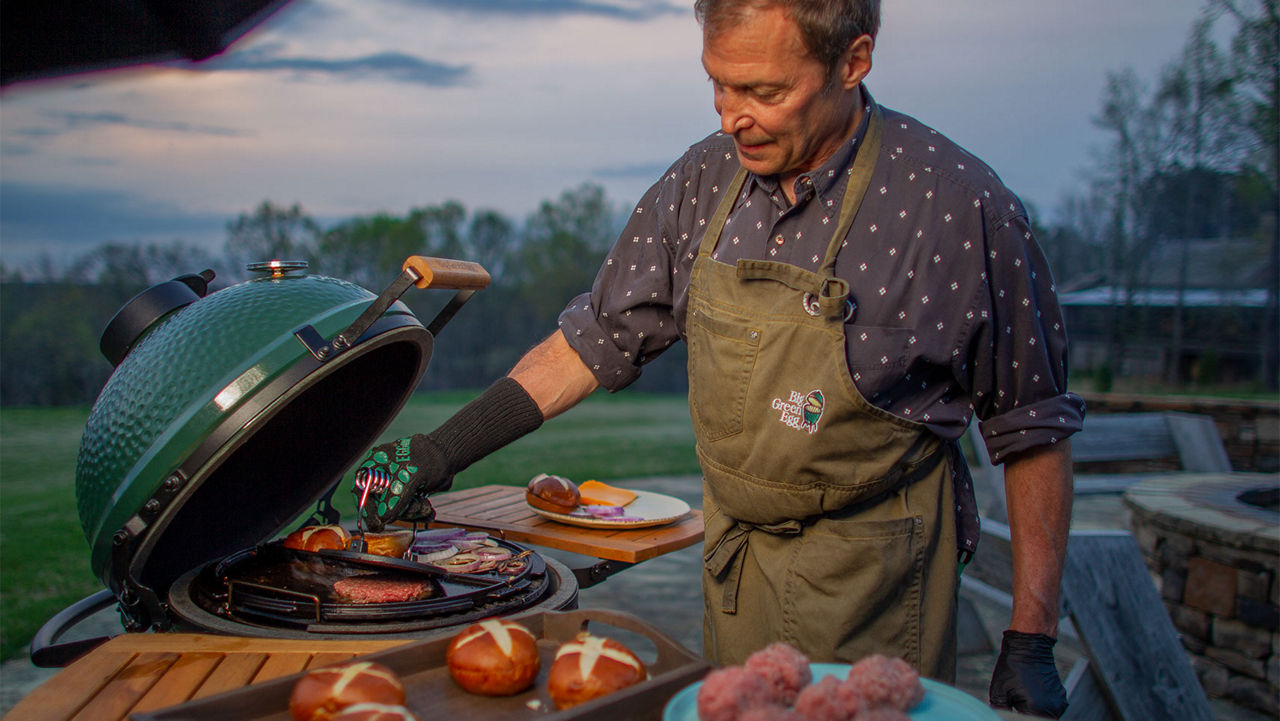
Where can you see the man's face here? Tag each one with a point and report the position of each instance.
(774, 98)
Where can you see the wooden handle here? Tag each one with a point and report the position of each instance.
(446, 273)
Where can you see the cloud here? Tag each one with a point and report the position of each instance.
(649, 171)
(632, 10)
(84, 120)
(400, 67)
(36, 218)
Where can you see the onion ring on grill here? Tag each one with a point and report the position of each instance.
(433, 553)
(492, 554)
(460, 563)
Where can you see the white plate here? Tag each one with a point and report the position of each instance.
(941, 702)
(653, 509)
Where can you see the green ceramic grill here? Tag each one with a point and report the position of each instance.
(231, 413)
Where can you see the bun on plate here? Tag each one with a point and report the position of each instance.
(552, 493)
(494, 658)
(317, 538)
(322, 693)
(589, 667)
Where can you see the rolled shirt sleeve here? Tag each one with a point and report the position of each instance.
(1019, 353)
(627, 319)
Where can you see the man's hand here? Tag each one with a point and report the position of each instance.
(422, 464)
(417, 467)
(1025, 678)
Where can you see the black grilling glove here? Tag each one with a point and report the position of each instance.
(1025, 678)
(423, 464)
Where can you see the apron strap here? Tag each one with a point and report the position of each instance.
(725, 560)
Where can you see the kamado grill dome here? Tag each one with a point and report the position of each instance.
(232, 413)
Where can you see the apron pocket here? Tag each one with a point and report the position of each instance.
(853, 588)
(721, 357)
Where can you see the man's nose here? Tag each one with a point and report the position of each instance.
(734, 118)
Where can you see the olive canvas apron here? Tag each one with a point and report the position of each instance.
(829, 522)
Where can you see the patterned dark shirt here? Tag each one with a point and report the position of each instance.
(956, 308)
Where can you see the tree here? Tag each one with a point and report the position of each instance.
(271, 232)
(1255, 55)
(1195, 101)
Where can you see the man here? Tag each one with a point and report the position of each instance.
(852, 287)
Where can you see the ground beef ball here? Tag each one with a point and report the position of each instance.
(829, 699)
(784, 667)
(378, 588)
(883, 681)
(726, 693)
(881, 713)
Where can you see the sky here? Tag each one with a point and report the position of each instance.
(355, 107)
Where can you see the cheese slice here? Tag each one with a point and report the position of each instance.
(595, 493)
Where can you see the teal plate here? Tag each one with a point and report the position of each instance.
(941, 702)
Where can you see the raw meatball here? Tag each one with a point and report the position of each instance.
(830, 699)
(784, 668)
(883, 681)
(726, 693)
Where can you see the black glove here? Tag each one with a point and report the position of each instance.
(422, 464)
(1025, 678)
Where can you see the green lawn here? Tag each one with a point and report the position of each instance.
(44, 559)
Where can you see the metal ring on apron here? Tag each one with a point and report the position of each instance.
(811, 307)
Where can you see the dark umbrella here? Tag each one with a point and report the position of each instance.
(47, 38)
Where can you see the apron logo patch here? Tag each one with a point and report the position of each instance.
(800, 410)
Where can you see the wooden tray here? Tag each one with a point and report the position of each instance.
(502, 510)
(432, 694)
(136, 672)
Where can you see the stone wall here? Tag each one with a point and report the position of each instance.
(1222, 591)
(1250, 430)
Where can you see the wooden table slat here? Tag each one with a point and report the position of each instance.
(180, 682)
(130, 683)
(236, 670)
(282, 664)
(76, 686)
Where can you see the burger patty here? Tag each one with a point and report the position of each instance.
(379, 588)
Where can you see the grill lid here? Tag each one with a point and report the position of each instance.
(232, 414)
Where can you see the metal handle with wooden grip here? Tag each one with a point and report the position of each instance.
(447, 273)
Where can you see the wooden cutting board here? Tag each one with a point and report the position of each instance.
(502, 511)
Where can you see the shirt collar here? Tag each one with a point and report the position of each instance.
(828, 179)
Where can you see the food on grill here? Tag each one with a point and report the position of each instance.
(318, 538)
(552, 493)
(494, 658)
(726, 693)
(381, 588)
(375, 712)
(590, 667)
(324, 692)
(884, 681)
(784, 668)
(595, 493)
(830, 699)
(389, 543)
(776, 681)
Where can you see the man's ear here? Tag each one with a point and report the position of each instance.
(855, 65)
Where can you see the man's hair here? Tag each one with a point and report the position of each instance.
(827, 26)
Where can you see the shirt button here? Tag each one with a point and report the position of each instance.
(779, 240)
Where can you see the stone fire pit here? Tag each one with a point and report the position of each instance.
(1212, 542)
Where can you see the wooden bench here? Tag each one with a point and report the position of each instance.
(1165, 441)
(1133, 666)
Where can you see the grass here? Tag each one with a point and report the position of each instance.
(44, 558)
